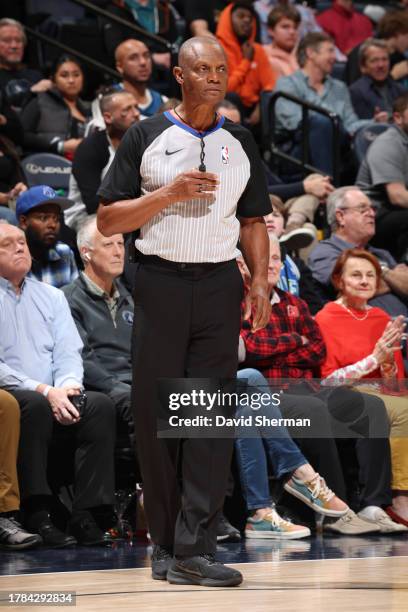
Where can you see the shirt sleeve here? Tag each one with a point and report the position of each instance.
(67, 361)
(13, 379)
(254, 202)
(122, 181)
(387, 163)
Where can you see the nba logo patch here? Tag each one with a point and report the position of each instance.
(224, 155)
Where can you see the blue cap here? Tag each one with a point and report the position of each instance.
(36, 196)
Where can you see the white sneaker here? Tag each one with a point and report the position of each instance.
(351, 524)
(382, 520)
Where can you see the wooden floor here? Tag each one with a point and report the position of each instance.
(310, 586)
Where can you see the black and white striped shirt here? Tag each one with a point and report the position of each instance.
(151, 155)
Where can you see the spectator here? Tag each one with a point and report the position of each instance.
(134, 62)
(38, 212)
(103, 312)
(12, 42)
(375, 91)
(254, 446)
(295, 276)
(393, 30)
(345, 25)
(283, 27)
(202, 17)
(291, 347)
(41, 366)
(54, 121)
(11, 174)
(313, 83)
(363, 343)
(249, 72)
(383, 175)
(95, 154)
(12, 535)
(151, 15)
(351, 217)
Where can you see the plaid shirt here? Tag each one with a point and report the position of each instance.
(59, 270)
(277, 350)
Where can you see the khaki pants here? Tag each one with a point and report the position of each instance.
(9, 438)
(397, 410)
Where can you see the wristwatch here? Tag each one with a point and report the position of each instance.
(384, 269)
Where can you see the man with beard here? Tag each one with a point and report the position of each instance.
(38, 211)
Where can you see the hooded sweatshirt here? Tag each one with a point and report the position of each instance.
(246, 78)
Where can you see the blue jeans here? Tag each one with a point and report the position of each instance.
(253, 452)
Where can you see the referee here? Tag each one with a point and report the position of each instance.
(187, 293)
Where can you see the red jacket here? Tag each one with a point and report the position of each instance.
(348, 28)
(246, 78)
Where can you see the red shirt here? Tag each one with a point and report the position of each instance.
(348, 28)
(349, 340)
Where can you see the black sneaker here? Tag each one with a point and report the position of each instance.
(14, 537)
(226, 532)
(53, 537)
(204, 571)
(161, 560)
(87, 533)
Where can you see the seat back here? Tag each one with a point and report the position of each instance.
(47, 169)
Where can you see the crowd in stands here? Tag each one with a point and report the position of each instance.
(338, 270)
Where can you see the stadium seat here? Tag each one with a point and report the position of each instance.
(47, 169)
(365, 137)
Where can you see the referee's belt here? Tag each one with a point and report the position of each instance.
(180, 266)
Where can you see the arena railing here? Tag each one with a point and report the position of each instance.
(270, 140)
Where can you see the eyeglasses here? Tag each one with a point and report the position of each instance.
(362, 208)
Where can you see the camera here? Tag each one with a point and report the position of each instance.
(79, 401)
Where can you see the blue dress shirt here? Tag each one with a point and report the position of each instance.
(39, 341)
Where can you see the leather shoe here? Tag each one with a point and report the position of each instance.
(87, 533)
(53, 537)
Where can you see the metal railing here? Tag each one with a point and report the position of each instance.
(303, 162)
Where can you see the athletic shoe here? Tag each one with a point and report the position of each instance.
(161, 560)
(226, 532)
(395, 516)
(383, 521)
(14, 537)
(202, 570)
(274, 526)
(316, 494)
(351, 524)
(299, 238)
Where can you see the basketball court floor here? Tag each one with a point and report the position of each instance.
(336, 573)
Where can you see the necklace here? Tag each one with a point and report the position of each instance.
(363, 318)
(202, 166)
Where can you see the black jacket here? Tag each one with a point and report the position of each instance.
(366, 96)
(46, 120)
(106, 352)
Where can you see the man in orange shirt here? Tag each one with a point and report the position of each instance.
(248, 66)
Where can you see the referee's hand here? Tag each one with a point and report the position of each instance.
(257, 305)
(193, 185)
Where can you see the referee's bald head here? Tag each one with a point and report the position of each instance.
(193, 48)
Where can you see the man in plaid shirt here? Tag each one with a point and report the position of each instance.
(291, 345)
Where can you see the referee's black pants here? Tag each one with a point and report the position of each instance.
(186, 324)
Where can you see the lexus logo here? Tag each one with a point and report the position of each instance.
(35, 169)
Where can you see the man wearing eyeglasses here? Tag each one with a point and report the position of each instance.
(351, 216)
(38, 211)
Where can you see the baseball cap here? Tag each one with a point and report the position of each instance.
(40, 194)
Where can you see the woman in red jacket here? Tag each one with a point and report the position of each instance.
(364, 343)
